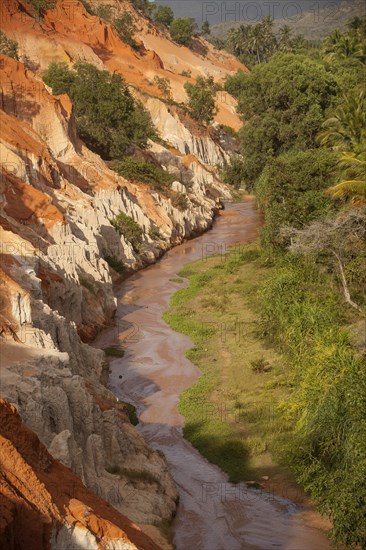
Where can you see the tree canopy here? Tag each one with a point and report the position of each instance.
(108, 118)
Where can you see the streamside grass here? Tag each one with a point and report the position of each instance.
(232, 413)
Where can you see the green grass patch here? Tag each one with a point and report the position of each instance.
(114, 351)
(232, 414)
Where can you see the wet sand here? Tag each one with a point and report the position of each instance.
(212, 513)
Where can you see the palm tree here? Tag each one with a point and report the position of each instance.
(353, 188)
(343, 46)
(345, 130)
(285, 35)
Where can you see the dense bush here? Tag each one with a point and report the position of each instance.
(283, 103)
(107, 116)
(164, 14)
(290, 191)
(8, 47)
(146, 172)
(115, 263)
(104, 11)
(126, 28)
(126, 226)
(328, 404)
(201, 99)
(234, 173)
(182, 29)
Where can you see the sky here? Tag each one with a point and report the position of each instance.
(217, 11)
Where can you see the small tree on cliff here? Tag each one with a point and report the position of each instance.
(201, 99)
(181, 30)
(206, 29)
(164, 14)
(8, 47)
(108, 118)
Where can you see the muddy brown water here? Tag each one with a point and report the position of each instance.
(213, 514)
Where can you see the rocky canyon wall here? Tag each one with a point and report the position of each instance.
(57, 200)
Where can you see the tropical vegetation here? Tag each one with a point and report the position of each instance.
(303, 144)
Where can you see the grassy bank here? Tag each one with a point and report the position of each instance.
(232, 413)
(283, 386)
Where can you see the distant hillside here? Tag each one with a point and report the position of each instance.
(312, 24)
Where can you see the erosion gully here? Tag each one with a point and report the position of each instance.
(213, 514)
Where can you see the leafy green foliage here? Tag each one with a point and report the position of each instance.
(283, 103)
(41, 6)
(59, 77)
(104, 11)
(234, 173)
(146, 172)
(87, 7)
(144, 6)
(164, 86)
(8, 47)
(328, 405)
(115, 263)
(201, 98)
(206, 29)
(290, 191)
(107, 116)
(164, 14)
(126, 226)
(182, 29)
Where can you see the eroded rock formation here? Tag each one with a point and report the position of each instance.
(56, 202)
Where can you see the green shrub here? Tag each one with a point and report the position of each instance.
(8, 47)
(115, 263)
(180, 201)
(126, 28)
(206, 29)
(181, 30)
(154, 233)
(186, 73)
(87, 283)
(164, 14)
(327, 406)
(108, 118)
(164, 86)
(132, 415)
(144, 6)
(126, 226)
(41, 6)
(146, 172)
(104, 11)
(290, 191)
(201, 99)
(234, 173)
(114, 351)
(87, 7)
